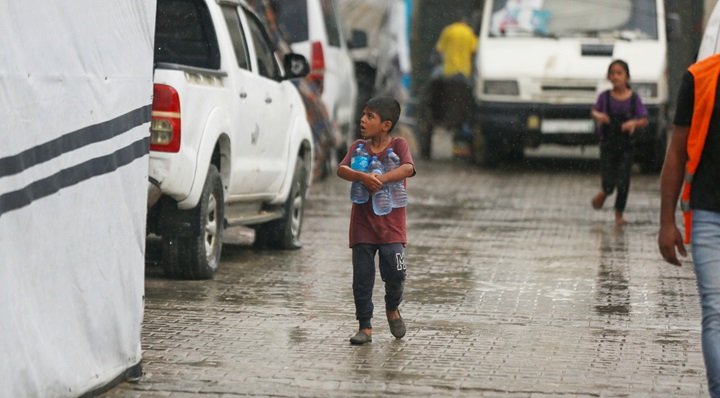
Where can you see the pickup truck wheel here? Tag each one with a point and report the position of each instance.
(285, 232)
(197, 256)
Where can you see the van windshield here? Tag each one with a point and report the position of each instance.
(619, 19)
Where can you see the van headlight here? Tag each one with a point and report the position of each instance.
(501, 87)
(645, 90)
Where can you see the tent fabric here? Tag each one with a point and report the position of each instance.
(75, 95)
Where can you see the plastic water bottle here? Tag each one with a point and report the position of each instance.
(360, 161)
(398, 195)
(381, 201)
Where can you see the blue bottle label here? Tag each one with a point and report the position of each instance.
(359, 163)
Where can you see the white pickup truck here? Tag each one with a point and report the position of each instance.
(230, 142)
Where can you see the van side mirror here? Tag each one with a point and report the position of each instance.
(295, 65)
(673, 27)
(358, 39)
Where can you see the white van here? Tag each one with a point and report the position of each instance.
(314, 30)
(541, 64)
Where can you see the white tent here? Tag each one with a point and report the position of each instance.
(75, 95)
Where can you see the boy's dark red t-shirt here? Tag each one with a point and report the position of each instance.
(365, 226)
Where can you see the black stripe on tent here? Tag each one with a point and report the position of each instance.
(73, 175)
(73, 140)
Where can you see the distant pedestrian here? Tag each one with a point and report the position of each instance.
(449, 94)
(371, 234)
(619, 114)
(457, 44)
(693, 158)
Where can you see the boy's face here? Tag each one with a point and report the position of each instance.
(371, 125)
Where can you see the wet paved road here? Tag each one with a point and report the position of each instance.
(516, 288)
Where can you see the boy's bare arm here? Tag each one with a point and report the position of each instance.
(371, 181)
(404, 171)
(348, 174)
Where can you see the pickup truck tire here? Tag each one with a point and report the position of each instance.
(285, 233)
(197, 256)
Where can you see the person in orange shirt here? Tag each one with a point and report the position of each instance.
(691, 171)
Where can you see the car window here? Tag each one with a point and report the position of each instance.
(184, 34)
(263, 50)
(292, 19)
(331, 23)
(237, 36)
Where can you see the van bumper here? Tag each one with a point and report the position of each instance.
(533, 124)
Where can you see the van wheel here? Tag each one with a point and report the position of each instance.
(197, 256)
(484, 152)
(285, 232)
(516, 151)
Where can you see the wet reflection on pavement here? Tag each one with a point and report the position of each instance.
(516, 287)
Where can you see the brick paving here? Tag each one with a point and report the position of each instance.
(516, 288)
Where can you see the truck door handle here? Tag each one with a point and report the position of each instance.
(243, 95)
(268, 100)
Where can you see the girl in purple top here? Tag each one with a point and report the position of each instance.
(619, 114)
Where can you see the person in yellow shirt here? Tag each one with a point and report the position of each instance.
(449, 93)
(457, 44)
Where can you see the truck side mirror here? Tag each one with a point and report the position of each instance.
(358, 39)
(295, 65)
(673, 27)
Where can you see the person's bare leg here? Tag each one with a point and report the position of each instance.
(392, 315)
(619, 219)
(598, 200)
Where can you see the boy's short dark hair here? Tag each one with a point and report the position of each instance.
(388, 109)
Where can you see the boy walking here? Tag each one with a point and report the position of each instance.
(371, 234)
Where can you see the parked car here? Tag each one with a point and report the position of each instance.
(325, 138)
(313, 29)
(230, 142)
